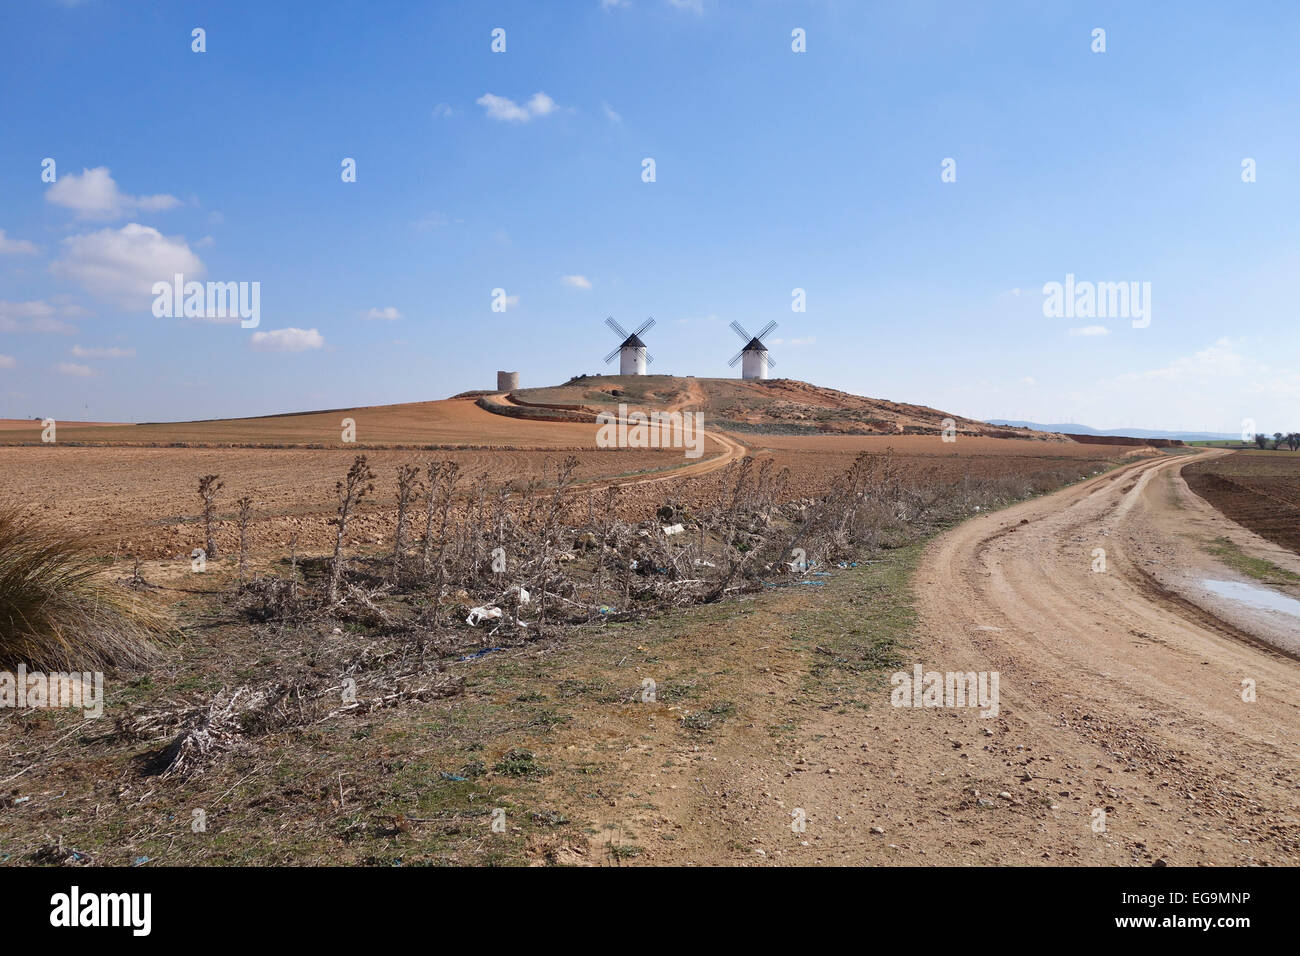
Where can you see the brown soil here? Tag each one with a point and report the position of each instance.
(1115, 697)
(780, 404)
(1259, 489)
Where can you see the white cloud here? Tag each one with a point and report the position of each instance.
(1210, 365)
(123, 264)
(1213, 388)
(1029, 380)
(94, 195)
(15, 247)
(35, 316)
(111, 352)
(611, 114)
(72, 368)
(8, 361)
(388, 313)
(1091, 330)
(442, 110)
(611, 4)
(576, 282)
(287, 340)
(507, 110)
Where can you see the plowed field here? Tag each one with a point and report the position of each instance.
(1258, 489)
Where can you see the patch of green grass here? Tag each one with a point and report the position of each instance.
(710, 717)
(865, 628)
(517, 762)
(1257, 568)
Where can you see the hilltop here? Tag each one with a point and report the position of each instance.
(768, 406)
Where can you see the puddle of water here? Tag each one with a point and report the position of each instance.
(1254, 596)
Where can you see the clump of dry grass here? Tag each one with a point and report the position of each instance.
(58, 612)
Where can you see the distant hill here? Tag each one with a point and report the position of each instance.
(768, 406)
(1076, 429)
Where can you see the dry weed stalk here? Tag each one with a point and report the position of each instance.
(209, 486)
(358, 483)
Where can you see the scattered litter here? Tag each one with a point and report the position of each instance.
(476, 654)
(673, 529)
(139, 860)
(451, 776)
(483, 613)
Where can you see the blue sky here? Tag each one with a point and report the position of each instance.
(775, 170)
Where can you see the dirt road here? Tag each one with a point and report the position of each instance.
(1122, 736)
(1117, 695)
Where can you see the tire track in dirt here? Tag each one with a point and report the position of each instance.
(1116, 706)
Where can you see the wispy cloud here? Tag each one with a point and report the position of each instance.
(287, 340)
(435, 220)
(610, 113)
(388, 313)
(508, 111)
(15, 247)
(576, 282)
(8, 361)
(94, 195)
(111, 352)
(79, 371)
(35, 316)
(695, 6)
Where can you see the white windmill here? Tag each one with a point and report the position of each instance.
(754, 353)
(631, 352)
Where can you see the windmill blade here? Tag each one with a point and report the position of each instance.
(644, 325)
(740, 330)
(618, 329)
(736, 358)
(610, 357)
(649, 359)
(771, 362)
(767, 328)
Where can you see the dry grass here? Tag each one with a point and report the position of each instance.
(58, 612)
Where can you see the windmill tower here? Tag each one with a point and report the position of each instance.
(632, 354)
(756, 363)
